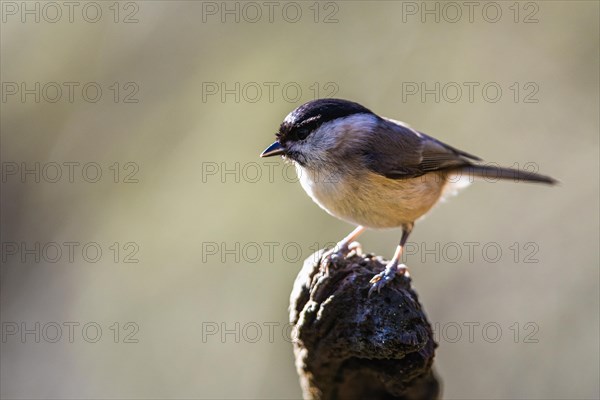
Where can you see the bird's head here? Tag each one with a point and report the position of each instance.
(316, 131)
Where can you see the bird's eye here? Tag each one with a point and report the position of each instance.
(302, 133)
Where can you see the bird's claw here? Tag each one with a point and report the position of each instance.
(383, 278)
(340, 251)
(356, 248)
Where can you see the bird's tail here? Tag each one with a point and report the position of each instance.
(493, 173)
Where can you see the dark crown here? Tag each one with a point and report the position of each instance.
(309, 116)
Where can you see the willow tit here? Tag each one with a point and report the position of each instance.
(375, 172)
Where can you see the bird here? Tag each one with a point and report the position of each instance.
(375, 172)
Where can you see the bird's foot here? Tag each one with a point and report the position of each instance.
(387, 275)
(356, 248)
(340, 251)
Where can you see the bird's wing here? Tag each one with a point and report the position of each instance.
(397, 151)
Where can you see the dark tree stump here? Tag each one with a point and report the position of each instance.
(352, 346)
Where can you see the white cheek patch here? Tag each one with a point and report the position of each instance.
(331, 139)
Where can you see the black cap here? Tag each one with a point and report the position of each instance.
(301, 122)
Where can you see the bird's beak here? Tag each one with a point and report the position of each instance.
(273, 150)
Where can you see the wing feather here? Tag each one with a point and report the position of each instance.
(399, 152)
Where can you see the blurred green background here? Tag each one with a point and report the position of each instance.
(219, 234)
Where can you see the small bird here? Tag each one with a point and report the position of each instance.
(375, 172)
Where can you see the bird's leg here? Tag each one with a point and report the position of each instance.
(394, 267)
(345, 245)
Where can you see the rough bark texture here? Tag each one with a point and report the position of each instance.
(352, 346)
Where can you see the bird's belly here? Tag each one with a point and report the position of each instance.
(373, 200)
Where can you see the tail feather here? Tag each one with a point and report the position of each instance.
(494, 173)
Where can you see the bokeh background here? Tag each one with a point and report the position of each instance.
(219, 235)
